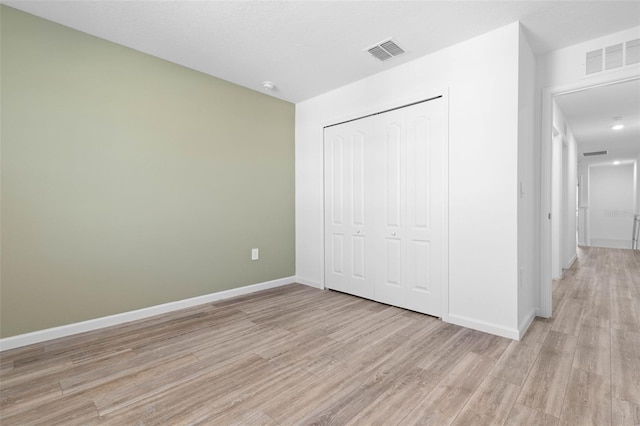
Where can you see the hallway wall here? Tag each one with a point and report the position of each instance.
(611, 194)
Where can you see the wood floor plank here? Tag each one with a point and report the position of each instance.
(625, 413)
(298, 402)
(569, 320)
(442, 404)
(366, 324)
(126, 390)
(28, 395)
(490, 404)
(598, 305)
(489, 345)
(361, 355)
(625, 365)
(593, 351)
(68, 410)
(37, 387)
(445, 357)
(625, 313)
(537, 332)
(522, 415)
(210, 383)
(247, 397)
(402, 397)
(377, 373)
(587, 400)
(248, 341)
(547, 381)
(516, 362)
(254, 418)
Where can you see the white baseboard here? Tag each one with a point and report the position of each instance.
(526, 322)
(111, 320)
(608, 243)
(571, 261)
(487, 327)
(310, 283)
(539, 313)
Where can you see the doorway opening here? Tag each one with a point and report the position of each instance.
(590, 173)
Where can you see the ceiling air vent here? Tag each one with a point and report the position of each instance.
(386, 49)
(594, 153)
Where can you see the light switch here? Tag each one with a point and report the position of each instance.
(255, 254)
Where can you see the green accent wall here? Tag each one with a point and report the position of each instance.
(129, 181)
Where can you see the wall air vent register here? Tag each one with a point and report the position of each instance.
(612, 57)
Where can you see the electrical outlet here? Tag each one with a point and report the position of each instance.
(255, 254)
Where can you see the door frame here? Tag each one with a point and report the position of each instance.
(546, 138)
(418, 95)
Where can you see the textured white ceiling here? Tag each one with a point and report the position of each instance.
(310, 47)
(590, 114)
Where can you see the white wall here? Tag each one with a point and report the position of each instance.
(612, 192)
(568, 162)
(636, 171)
(528, 255)
(481, 75)
(571, 237)
(583, 177)
(556, 206)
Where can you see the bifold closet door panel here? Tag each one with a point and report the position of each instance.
(425, 207)
(408, 249)
(348, 197)
(389, 244)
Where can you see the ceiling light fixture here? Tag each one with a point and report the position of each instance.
(268, 85)
(617, 124)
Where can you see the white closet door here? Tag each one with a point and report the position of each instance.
(426, 206)
(390, 247)
(385, 207)
(348, 197)
(409, 266)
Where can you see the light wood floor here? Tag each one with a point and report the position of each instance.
(297, 355)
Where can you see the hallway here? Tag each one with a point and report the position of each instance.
(587, 368)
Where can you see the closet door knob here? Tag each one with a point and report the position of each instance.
(393, 234)
(358, 231)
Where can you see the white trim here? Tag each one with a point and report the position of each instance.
(524, 325)
(111, 320)
(310, 283)
(546, 133)
(487, 327)
(571, 261)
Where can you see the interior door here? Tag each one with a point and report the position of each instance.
(409, 269)
(426, 207)
(390, 211)
(348, 197)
